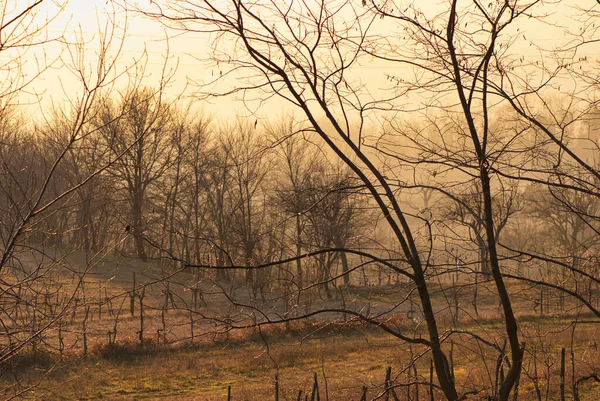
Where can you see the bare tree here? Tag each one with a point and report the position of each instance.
(249, 168)
(337, 214)
(461, 58)
(37, 187)
(310, 71)
(467, 210)
(196, 167)
(139, 127)
(296, 164)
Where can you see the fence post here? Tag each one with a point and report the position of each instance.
(164, 326)
(132, 299)
(61, 343)
(388, 373)
(431, 380)
(192, 325)
(562, 374)
(388, 385)
(364, 394)
(416, 372)
(141, 332)
(84, 328)
(315, 390)
(99, 300)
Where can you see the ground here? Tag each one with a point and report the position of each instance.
(346, 357)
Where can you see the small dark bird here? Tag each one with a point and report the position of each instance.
(127, 228)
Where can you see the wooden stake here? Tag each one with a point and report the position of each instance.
(132, 299)
(364, 393)
(562, 374)
(431, 398)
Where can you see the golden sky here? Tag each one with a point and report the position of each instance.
(145, 40)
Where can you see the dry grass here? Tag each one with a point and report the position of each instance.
(347, 356)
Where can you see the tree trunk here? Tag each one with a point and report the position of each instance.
(345, 268)
(221, 275)
(137, 226)
(510, 321)
(299, 278)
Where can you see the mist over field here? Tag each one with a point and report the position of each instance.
(294, 200)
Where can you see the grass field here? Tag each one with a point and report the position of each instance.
(346, 359)
(170, 364)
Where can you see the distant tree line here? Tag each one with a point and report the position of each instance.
(470, 164)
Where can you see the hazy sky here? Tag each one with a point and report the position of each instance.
(145, 40)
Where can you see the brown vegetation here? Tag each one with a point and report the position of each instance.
(444, 225)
